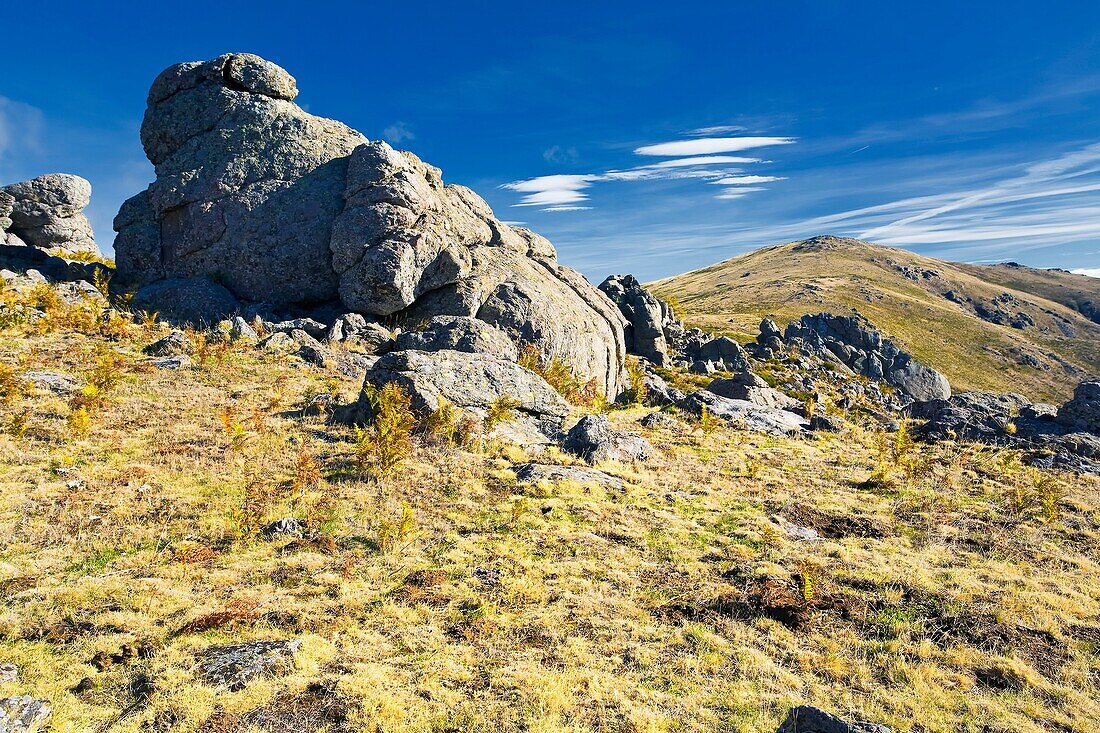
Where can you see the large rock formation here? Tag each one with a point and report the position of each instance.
(853, 344)
(654, 333)
(646, 315)
(285, 208)
(47, 212)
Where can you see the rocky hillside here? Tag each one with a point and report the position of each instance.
(994, 328)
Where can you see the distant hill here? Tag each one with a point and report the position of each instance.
(1001, 327)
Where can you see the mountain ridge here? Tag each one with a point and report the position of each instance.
(992, 327)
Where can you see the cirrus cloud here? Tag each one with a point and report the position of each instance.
(711, 145)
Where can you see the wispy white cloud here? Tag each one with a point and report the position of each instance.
(569, 192)
(556, 190)
(736, 192)
(704, 160)
(398, 132)
(560, 154)
(746, 180)
(20, 131)
(711, 145)
(1090, 271)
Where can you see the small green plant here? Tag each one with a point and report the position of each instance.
(392, 535)
(708, 423)
(441, 424)
(18, 426)
(559, 375)
(636, 390)
(503, 409)
(387, 441)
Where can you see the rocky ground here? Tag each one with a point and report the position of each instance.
(192, 541)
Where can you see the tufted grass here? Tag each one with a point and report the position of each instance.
(448, 597)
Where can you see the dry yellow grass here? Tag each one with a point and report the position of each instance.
(945, 597)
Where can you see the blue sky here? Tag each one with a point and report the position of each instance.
(961, 130)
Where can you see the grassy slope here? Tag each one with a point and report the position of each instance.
(952, 600)
(790, 280)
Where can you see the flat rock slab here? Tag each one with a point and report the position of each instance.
(745, 414)
(532, 473)
(233, 666)
(24, 714)
(55, 382)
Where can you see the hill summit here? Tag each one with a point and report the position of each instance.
(1001, 327)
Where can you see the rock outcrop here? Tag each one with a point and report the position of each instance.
(283, 208)
(1083, 411)
(853, 344)
(1067, 437)
(654, 333)
(646, 315)
(47, 213)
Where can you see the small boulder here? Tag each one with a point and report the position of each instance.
(533, 473)
(170, 362)
(286, 527)
(8, 672)
(658, 393)
(808, 719)
(459, 333)
(726, 352)
(47, 212)
(198, 301)
(594, 440)
(24, 714)
(747, 386)
(658, 420)
(55, 382)
(233, 666)
(175, 343)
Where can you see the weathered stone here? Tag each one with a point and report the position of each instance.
(22, 259)
(725, 353)
(287, 527)
(234, 666)
(24, 714)
(471, 382)
(977, 416)
(46, 212)
(851, 342)
(747, 386)
(658, 420)
(314, 328)
(533, 473)
(174, 344)
(8, 672)
(808, 719)
(458, 333)
(646, 316)
(594, 440)
(1083, 411)
(56, 382)
(181, 361)
(288, 208)
(658, 393)
(196, 300)
(744, 414)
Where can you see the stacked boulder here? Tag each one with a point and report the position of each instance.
(654, 333)
(259, 207)
(851, 344)
(48, 213)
